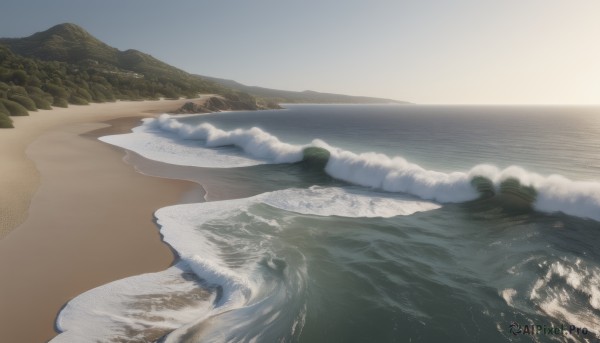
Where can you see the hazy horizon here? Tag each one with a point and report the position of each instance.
(426, 52)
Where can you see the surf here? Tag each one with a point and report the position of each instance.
(546, 193)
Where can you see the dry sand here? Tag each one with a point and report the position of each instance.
(19, 178)
(86, 217)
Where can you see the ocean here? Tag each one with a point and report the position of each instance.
(368, 223)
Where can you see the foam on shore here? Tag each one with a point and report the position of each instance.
(168, 140)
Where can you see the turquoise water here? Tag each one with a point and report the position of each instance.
(376, 223)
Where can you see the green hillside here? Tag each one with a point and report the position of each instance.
(64, 43)
(71, 44)
(66, 65)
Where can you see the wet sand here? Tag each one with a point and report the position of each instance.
(86, 216)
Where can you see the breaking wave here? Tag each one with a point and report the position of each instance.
(228, 278)
(553, 193)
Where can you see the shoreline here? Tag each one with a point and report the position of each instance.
(20, 177)
(89, 215)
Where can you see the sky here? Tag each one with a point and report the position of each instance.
(422, 51)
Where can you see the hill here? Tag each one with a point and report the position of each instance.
(64, 43)
(67, 65)
(281, 96)
(72, 44)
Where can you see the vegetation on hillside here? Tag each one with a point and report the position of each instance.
(66, 65)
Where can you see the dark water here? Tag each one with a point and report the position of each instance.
(319, 256)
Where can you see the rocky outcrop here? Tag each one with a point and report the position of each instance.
(217, 104)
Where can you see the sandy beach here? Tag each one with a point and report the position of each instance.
(73, 215)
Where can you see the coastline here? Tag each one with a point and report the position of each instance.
(20, 178)
(86, 217)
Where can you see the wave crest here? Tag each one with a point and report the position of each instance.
(254, 141)
(553, 193)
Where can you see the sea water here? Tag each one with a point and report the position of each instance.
(370, 223)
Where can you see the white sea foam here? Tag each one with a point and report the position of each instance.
(397, 175)
(132, 305)
(234, 290)
(115, 310)
(508, 295)
(168, 147)
(557, 299)
(258, 304)
(168, 140)
(329, 201)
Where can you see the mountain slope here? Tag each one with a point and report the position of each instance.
(72, 44)
(307, 96)
(65, 43)
(67, 65)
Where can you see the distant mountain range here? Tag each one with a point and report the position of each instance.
(308, 96)
(66, 65)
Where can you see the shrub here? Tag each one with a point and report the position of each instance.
(3, 109)
(5, 121)
(101, 93)
(14, 108)
(56, 91)
(49, 98)
(82, 93)
(17, 90)
(32, 90)
(98, 97)
(34, 81)
(170, 94)
(75, 100)
(38, 92)
(25, 101)
(60, 102)
(41, 102)
(4, 86)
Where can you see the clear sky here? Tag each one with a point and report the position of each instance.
(423, 51)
